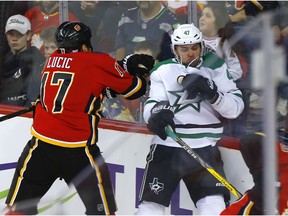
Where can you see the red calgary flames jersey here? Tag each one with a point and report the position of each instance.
(70, 96)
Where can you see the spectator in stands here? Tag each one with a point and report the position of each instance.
(242, 14)
(7, 9)
(150, 21)
(21, 64)
(91, 13)
(43, 15)
(216, 27)
(243, 9)
(245, 12)
(180, 8)
(213, 23)
(109, 25)
(146, 47)
(49, 42)
(47, 35)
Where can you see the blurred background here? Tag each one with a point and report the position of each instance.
(251, 36)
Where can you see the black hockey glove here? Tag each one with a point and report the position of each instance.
(161, 116)
(199, 84)
(186, 81)
(109, 93)
(137, 64)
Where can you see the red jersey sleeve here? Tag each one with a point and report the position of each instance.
(115, 77)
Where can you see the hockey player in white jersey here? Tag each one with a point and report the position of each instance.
(191, 93)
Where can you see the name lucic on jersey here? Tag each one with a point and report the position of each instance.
(59, 62)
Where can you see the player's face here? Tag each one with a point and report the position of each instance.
(49, 48)
(189, 53)
(17, 41)
(207, 23)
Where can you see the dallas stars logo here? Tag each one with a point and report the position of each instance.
(156, 186)
(182, 101)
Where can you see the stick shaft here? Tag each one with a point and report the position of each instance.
(207, 166)
(17, 113)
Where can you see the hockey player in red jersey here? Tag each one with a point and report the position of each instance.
(64, 130)
(251, 203)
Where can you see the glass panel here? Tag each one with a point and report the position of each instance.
(232, 32)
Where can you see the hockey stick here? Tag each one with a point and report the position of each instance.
(186, 147)
(17, 113)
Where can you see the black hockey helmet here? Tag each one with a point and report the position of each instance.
(70, 36)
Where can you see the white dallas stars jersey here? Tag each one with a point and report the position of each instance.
(197, 122)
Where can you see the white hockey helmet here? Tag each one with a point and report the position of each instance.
(186, 34)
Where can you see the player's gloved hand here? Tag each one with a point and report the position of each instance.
(197, 83)
(161, 116)
(137, 64)
(109, 93)
(186, 81)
